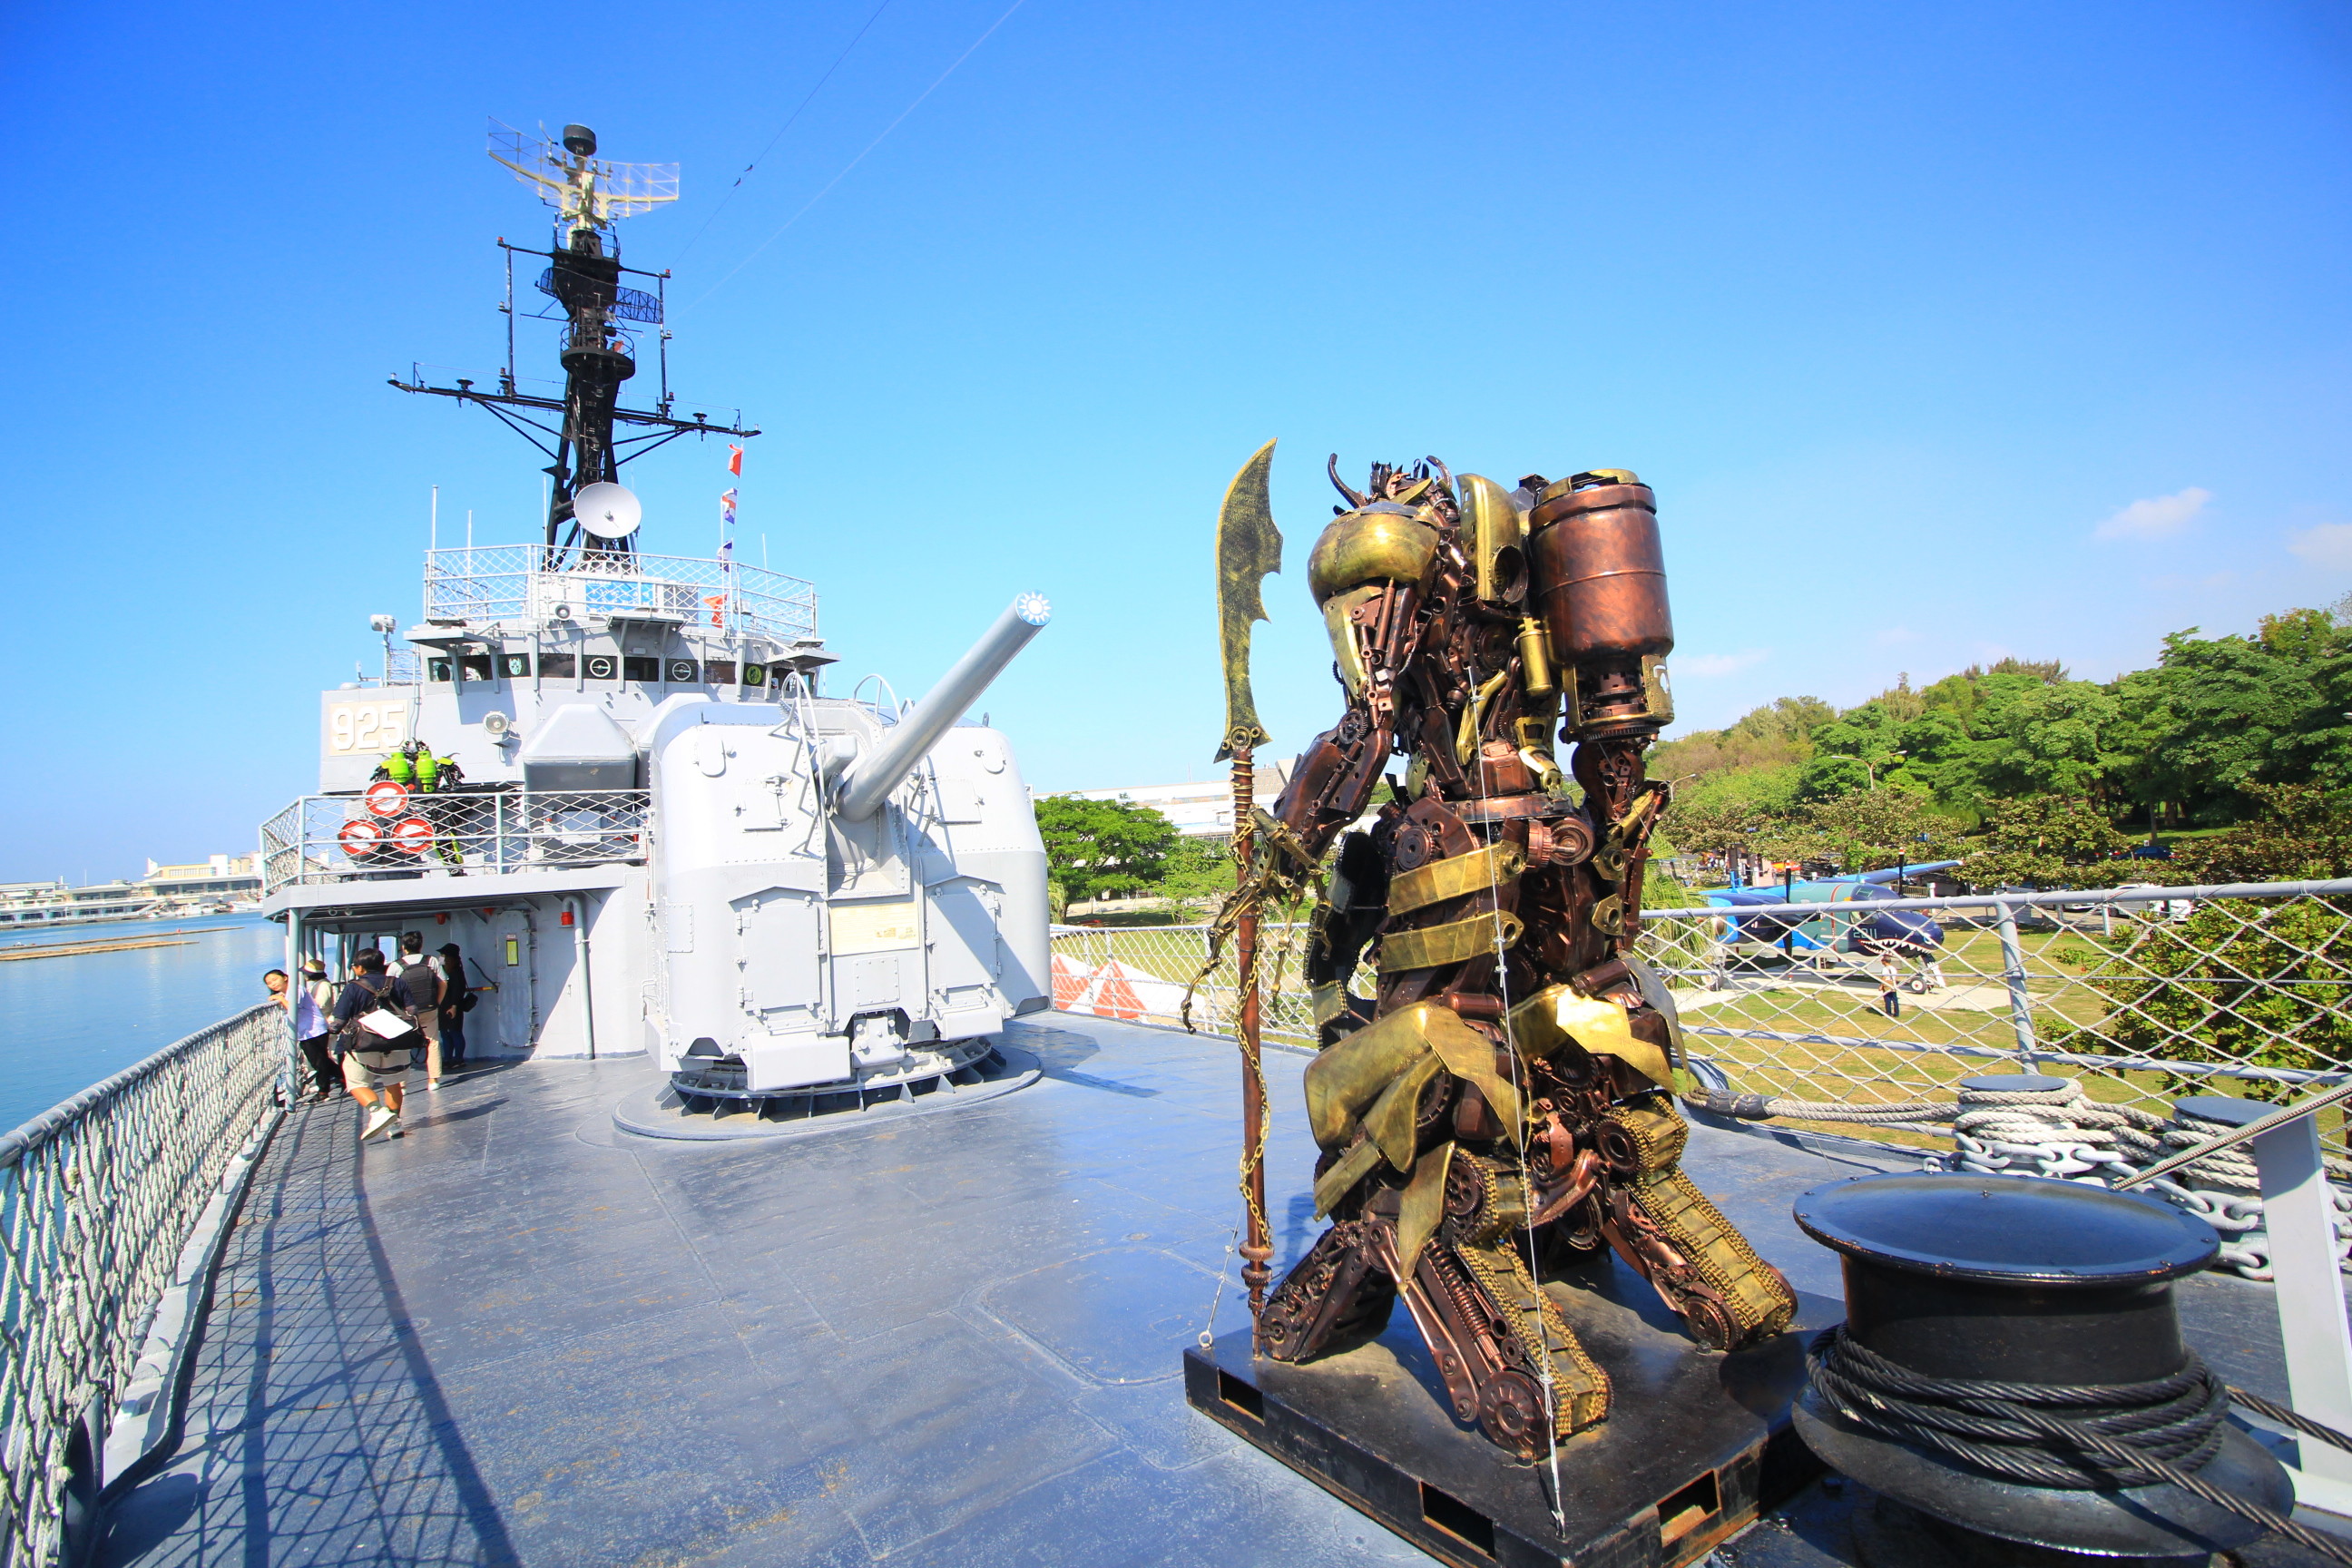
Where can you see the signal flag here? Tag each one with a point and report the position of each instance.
(735, 462)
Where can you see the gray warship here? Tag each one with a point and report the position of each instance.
(615, 780)
(903, 1304)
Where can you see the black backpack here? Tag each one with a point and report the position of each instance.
(352, 1038)
(423, 977)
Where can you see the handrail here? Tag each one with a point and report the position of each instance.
(98, 1198)
(40, 1130)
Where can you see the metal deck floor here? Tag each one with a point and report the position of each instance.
(517, 1336)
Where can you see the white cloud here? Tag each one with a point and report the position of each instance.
(2157, 517)
(2327, 546)
(1707, 664)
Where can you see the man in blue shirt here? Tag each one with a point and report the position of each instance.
(378, 1049)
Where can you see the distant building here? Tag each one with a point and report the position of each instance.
(1203, 810)
(166, 890)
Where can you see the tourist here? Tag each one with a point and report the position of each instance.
(1890, 980)
(456, 1001)
(376, 1054)
(313, 999)
(423, 979)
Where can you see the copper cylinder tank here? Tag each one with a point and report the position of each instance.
(1599, 571)
(1600, 582)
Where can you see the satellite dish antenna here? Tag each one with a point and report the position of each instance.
(608, 510)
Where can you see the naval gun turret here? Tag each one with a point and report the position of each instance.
(851, 899)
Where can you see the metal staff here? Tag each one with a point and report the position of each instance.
(1248, 547)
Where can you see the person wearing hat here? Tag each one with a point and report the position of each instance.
(309, 1002)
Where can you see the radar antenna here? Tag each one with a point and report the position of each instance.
(589, 191)
(582, 277)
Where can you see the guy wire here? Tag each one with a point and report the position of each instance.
(1527, 1186)
(790, 120)
(827, 188)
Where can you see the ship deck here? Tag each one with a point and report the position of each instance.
(519, 1336)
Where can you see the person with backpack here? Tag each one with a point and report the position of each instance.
(456, 1000)
(423, 979)
(375, 1025)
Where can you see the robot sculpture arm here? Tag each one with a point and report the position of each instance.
(1503, 1100)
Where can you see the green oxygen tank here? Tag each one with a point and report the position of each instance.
(428, 770)
(399, 769)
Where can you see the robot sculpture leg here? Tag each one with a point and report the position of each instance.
(1426, 1186)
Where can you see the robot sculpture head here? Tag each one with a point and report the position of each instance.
(1391, 537)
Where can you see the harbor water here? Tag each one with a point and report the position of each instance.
(67, 1021)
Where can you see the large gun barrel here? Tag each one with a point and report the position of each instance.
(870, 779)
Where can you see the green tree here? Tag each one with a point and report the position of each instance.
(2238, 981)
(1777, 736)
(1855, 750)
(2033, 737)
(1097, 846)
(2303, 833)
(1198, 871)
(2217, 712)
(1867, 830)
(2048, 841)
(1710, 828)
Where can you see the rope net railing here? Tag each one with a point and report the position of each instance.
(345, 838)
(97, 1198)
(2142, 997)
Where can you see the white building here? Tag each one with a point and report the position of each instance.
(1201, 810)
(164, 891)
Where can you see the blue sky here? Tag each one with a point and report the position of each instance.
(1941, 332)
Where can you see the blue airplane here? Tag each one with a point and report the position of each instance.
(1911, 932)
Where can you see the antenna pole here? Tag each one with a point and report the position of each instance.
(505, 376)
(661, 292)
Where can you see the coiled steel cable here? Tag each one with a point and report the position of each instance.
(2077, 1437)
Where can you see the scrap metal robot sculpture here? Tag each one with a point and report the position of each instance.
(1504, 1102)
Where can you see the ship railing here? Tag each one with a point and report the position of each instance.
(98, 1198)
(397, 835)
(520, 586)
(2140, 995)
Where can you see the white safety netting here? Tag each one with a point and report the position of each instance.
(97, 1198)
(1863, 1018)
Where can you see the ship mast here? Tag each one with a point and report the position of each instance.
(600, 316)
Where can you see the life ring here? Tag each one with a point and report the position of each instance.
(385, 798)
(413, 834)
(360, 837)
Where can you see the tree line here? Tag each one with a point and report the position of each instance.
(2233, 753)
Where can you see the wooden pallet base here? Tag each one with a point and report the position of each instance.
(1696, 1446)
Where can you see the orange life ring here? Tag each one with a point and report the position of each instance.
(413, 834)
(385, 798)
(360, 837)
